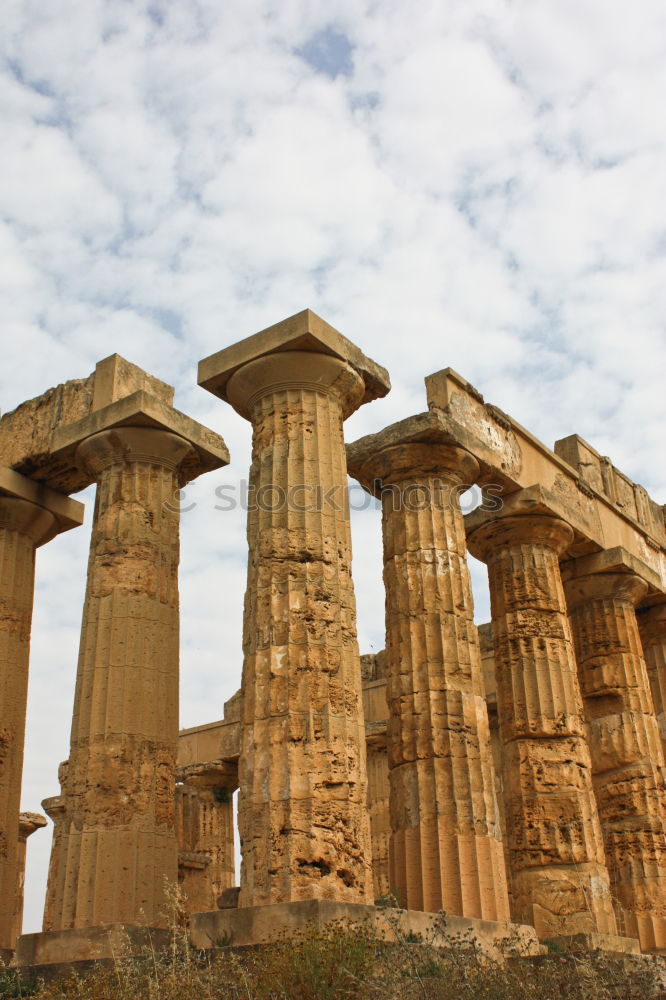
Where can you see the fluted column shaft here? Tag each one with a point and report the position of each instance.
(652, 628)
(303, 818)
(378, 811)
(29, 823)
(205, 826)
(55, 809)
(627, 757)
(445, 850)
(559, 879)
(119, 840)
(23, 526)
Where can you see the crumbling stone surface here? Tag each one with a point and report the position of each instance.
(446, 851)
(118, 841)
(205, 832)
(23, 526)
(652, 627)
(599, 472)
(26, 434)
(55, 809)
(303, 817)
(378, 812)
(559, 879)
(626, 749)
(302, 727)
(373, 666)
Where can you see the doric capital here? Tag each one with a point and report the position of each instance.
(124, 445)
(55, 807)
(210, 776)
(294, 370)
(625, 587)
(28, 823)
(491, 538)
(141, 411)
(303, 333)
(66, 513)
(28, 519)
(614, 560)
(417, 462)
(417, 449)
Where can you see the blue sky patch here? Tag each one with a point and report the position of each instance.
(328, 51)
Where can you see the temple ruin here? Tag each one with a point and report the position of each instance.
(510, 774)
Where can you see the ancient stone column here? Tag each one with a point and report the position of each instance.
(652, 628)
(627, 757)
(378, 811)
(119, 844)
(205, 827)
(30, 515)
(303, 818)
(29, 823)
(558, 875)
(54, 807)
(375, 711)
(446, 849)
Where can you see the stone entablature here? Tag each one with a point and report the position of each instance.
(514, 459)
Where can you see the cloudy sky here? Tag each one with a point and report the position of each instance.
(474, 183)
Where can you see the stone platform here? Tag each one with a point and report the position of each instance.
(86, 945)
(599, 942)
(251, 925)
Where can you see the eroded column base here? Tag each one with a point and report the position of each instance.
(86, 944)
(250, 925)
(6, 956)
(563, 901)
(597, 942)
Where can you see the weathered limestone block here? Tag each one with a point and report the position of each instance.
(303, 817)
(118, 840)
(626, 749)
(599, 472)
(27, 434)
(446, 851)
(29, 517)
(652, 628)
(205, 831)
(29, 823)
(559, 879)
(513, 459)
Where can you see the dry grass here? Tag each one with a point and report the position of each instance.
(347, 960)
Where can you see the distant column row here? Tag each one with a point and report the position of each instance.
(578, 710)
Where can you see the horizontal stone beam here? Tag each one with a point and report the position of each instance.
(513, 459)
(637, 556)
(617, 560)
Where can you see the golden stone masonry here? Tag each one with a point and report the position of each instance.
(510, 774)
